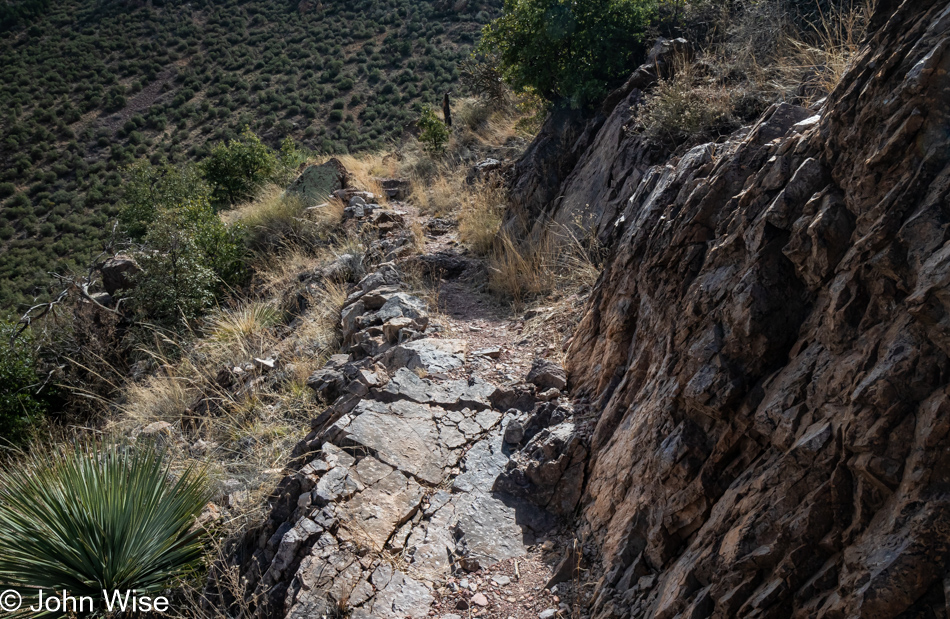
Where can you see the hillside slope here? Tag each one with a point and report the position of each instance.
(768, 352)
(88, 87)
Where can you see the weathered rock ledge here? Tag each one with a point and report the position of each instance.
(768, 349)
(406, 476)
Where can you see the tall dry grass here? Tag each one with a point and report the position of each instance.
(442, 194)
(481, 216)
(819, 55)
(276, 220)
(688, 106)
(555, 263)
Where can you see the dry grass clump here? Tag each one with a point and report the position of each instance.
(442, 194)
(367, 168)
(278, 272)
(224, 407)
(555, 263)
(243, 324)
(481, 216)
(687, 107)
(819, 56)
(277, 220)
(754, 54)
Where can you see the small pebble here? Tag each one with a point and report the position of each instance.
(481, 600)
(550, 613)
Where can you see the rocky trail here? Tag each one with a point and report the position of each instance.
(437, 480)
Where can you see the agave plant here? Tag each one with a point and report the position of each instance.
(90, 519)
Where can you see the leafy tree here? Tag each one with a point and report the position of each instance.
(568, 50)
(239, 168)
(152, 189)
(433, 133)
(87, 519)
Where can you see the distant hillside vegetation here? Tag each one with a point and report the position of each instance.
(88, 86)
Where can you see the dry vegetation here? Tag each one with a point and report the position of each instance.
(554, 265)
(748, 57)
(231, 394)
(480, 217)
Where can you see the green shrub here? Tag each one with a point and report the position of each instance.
(88, 519)
(238, 169)
(175, 283)
(22, 401)
(433, 133)
(568, 50)
(151, 189)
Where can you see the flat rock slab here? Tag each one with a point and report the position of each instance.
(487, 531)
(455, 394)
(429, 354)
(374, 514)
(402, 434)
(402, 597)
(482, 465)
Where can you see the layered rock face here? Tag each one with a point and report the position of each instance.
(769, 349)
(579, 171)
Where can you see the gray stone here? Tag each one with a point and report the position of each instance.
(487, 532)
(483, 463)
(547, 375)
(487, 419)
(429, 354)
(373, 515)
(318, 182)
(402, 597)
(452, 395)
(401, 434)
(402, 305)
(514, 432)
(337, 485)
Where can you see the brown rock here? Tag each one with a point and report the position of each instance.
(117, 273)
(547, 375)
(767, 348)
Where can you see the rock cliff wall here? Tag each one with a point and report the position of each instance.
(579, 171)
(768, 349)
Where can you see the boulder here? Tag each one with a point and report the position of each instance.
(395, 188)
(318, 182)
(429, 354)
(547, 375)
(117, 273)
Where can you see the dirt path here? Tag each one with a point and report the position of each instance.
(502, 347)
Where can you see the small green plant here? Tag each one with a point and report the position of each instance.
(175, 282)
(23, 400)
(154, 189)
(433, 133)
(168, 209)
(88, 519)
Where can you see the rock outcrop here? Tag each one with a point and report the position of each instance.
(581, 168)
(394, 489)
(768, 353)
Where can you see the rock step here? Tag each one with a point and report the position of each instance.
(405, 470)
